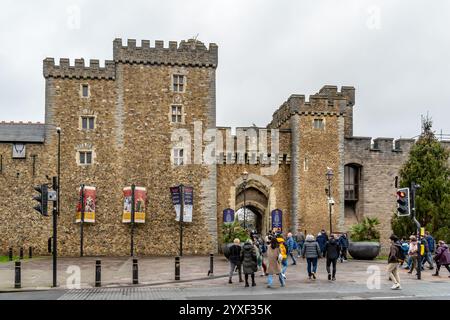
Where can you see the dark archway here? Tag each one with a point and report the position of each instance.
(253, 216)
(256, 204)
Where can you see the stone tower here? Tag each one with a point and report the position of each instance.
(318, 128)
(135, 102)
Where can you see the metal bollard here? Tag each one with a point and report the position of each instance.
(177, 268)
(10, 254)
(17, 275)
(30, 252)
(98, 273)
(135, 271)
(211, 265)
(49, 245)
(21, 254)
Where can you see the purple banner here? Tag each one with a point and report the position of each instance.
(277, 219)
(228, 215)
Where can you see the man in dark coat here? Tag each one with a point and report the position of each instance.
(322, 239)
(235, 260)
(331, 252)
(442, 257)
(249, 261)
(343, 243)
(393, 262)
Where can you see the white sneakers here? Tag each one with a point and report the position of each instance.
(396, 287)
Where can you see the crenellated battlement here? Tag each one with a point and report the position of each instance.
(383, 145)
(327, 102)
(79, 70)
(187, 53)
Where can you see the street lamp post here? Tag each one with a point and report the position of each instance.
(245, 177)
(329, 176)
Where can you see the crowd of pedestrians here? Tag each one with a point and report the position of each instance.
(416, 254)
(270, 256)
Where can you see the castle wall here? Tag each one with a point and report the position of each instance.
(380, 163)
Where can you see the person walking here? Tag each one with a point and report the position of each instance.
(322, 239)
(343, 244)
(235, 260)
(249, 261)
(405, 249)
(311, 251)
(414, 254)
(283, 250)
(395, 255)
(429, 243)
(442, 257)
(291, 246)
(331, 252)
(300, 243)
(274, 263)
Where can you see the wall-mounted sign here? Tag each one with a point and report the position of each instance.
(277, 220)
(18, 151)
(188, 202)
(89, 204)
(228, 215)
(140, 200)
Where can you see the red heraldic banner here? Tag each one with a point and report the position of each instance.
(140, 199)
(89, 205)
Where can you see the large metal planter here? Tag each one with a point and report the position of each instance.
(364, 250)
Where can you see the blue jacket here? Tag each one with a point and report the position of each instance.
(322, 241)
(431, 243)
(290, 243)
(343, 242)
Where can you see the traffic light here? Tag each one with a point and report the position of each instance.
(403, 208)
(42, 198)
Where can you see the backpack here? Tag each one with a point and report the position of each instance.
(283, 250)
(401, 256)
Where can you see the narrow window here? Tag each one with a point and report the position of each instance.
(319, 124)
(306, 164)
(88, 123)
(178, 157)
(85, 157)
(85, 90)
(178, 83)
(177, 114)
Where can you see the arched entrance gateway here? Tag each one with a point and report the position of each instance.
(258, 195)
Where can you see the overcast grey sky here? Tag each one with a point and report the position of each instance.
(396, 53)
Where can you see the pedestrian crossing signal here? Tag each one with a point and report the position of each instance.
(403, 207)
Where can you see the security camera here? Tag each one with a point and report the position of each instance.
(58, 129)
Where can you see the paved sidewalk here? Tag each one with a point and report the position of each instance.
(159, 271)
(37, 273)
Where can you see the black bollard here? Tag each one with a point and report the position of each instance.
(30, 252)
(98, 273)
(177, 268)
(211, 265)
(21, 254)
(17, 276)
(10, 254)
(49, 245)
(135, 271)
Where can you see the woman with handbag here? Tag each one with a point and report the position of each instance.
(274, 259)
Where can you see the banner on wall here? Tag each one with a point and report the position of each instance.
(140, 200)
(188, 202)
(228, 215)
(89, 205)
(277, 220)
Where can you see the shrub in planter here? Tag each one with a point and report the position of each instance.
(231, 231)
(365, 237)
